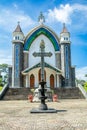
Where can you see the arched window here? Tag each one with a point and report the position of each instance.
(51, 81)
(15, 37)
(32, 81)
(39, 75)
(18, 37)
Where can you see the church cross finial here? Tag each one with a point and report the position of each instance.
(63, 25)
(41, 18)
(18, 22)
(64, 28)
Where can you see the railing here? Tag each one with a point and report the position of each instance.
(5, 88)
(82, 90)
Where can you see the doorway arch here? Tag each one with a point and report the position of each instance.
(52, 81)
(39, 75)
(32, 81)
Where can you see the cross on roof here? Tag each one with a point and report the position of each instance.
(18, 22)
(41, 18)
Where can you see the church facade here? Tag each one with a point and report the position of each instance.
(26, 68)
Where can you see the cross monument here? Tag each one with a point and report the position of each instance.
(42, 107)
(42, 54)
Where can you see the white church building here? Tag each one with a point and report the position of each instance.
(26, 69)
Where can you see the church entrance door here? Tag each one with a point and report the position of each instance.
(52, 81)
(39, 75)
(32, 81)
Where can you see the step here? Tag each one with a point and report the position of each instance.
(63, 93)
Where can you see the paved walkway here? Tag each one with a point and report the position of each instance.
(71, 115)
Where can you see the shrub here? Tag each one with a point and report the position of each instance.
(85, 86)
(1, 88)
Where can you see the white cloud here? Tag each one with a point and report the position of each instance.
(4, 39)
(15, 5)
(8, 22)
(81, 72)
(5, 57)
(10, 17)
(79, 7)
(63, 13)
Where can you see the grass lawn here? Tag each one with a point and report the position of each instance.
(1, 88)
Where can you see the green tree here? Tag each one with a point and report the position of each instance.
(86, 75)
(80, 81)
(1, 84)
(85, 86)
(4, 65)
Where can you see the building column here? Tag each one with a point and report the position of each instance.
(17, 65)
(10, 75)
(57, 81)
(27, 81)
(36, 80)
(26, 59)
(73, 84)
(58, 59)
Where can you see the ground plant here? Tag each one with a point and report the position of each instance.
(1, 88)
(85, 86)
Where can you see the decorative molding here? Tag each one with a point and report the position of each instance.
(39, 65)
(17, 41)
(57, 52)
(26, 52)
(65, 42)
(37, 33)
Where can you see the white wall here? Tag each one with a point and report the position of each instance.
(35, 47)
(48, 73)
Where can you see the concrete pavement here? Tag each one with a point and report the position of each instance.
(71, 115)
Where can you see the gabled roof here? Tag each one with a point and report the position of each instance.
(38, 65)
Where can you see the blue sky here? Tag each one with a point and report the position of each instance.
(56, 12)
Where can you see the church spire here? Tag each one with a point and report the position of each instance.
(41, 18)
(64, 29)
(18, 28)
(64, 35)
(18, 34)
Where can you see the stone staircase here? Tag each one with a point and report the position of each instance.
(69, 93)
(17, 94)
(63, 93)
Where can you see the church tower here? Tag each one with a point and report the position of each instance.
(17, 57)
(65, 56)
